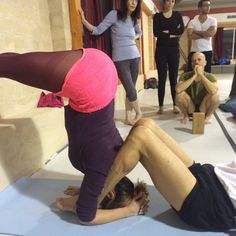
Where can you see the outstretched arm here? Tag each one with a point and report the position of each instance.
(137, 206)
(86, 24)
(107, 22)
(109, 215)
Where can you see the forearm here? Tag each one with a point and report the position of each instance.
(195, 36)
(204, 34)
(182, 86)
(211, 87)
(109, 215)
(192, 35)
(87, 25)
(116, 173)
(178, 31)
(126, 159)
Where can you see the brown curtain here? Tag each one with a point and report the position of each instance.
(116, 4)
(93, 13)
(218, 44)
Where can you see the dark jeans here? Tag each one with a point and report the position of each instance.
(167, 58)
(128, 75)
(208, 55)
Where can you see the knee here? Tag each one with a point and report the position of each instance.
(139, 132)
(131, 94)
(213, 99)
(179, 97)
(145, 122)
(216, 98)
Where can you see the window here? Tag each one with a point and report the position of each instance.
(230, 43)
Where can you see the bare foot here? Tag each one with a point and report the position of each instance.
(129, 122)
(184, 120)
(137, 117)
(176, 110)
(72, 191)
(160, 111)
(67, 204)
(208, 120)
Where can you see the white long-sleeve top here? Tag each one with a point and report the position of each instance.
(226, 173)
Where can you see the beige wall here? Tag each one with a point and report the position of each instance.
(29, 135)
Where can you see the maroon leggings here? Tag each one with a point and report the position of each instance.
(44, 70)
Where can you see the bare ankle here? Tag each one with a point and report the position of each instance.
(161, 110)
(184, 120)
(208, 120)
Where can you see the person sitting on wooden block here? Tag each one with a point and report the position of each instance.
(197, 90)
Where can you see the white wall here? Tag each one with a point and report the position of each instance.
(222, 17)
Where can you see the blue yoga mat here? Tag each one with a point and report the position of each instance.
(27, 208)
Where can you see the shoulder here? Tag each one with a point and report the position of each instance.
(192, 22)
(195, 19)
(213, 20)
(177, 14)
(157, 15)
(210, 77)
(186, 76)
(112, 14)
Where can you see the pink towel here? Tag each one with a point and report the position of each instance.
(50, 100)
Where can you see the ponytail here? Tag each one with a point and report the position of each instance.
(125, 191)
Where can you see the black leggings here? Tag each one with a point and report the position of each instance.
(167, 57)
(44, 70)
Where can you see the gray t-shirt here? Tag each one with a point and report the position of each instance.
(123, 35)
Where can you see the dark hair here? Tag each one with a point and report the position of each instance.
(124, 193)
(123, 11)
(200, 3)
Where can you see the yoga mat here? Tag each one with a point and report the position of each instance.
(27, 208)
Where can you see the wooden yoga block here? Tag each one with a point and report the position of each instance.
(198, 123)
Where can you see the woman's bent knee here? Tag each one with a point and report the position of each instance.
(146, 122)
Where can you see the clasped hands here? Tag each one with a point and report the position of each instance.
(198, 72)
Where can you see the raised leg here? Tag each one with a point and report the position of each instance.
(44, 70)
(167, 139)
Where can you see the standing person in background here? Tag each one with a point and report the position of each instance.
(124, 30)
(167, 27)
(201, 29)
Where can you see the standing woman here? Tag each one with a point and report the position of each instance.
(125, 54)
(167, 27)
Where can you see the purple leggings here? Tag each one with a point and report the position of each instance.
(44, 70)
